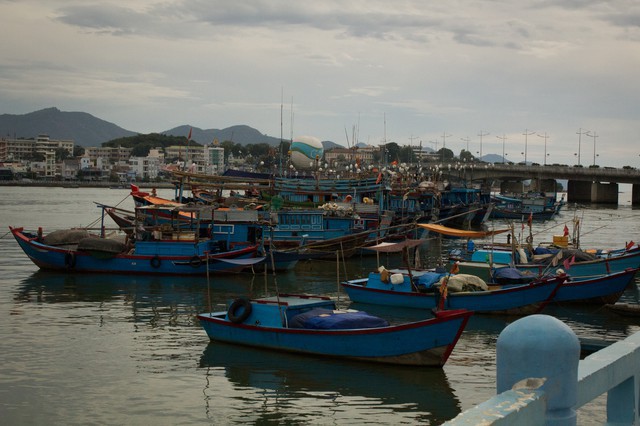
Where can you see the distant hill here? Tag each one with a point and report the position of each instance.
(86, 130)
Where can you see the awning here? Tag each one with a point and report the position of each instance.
(394, 247)
(462, 233)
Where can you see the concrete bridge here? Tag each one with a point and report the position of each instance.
(585, 184)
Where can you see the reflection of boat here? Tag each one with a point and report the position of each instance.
(412, 394)
(625, 309)
(312, 325)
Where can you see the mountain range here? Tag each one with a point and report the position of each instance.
(86, 130)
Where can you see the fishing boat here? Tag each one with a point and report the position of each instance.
(538, 207)
(312, 325)
(429, 289)
(602, 290)
(599, 289)
(175, 254)
(484, 261)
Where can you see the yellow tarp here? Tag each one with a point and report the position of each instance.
(462, 233)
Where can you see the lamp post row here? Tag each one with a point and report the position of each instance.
(526, 135)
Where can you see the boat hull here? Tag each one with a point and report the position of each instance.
(509, 300)
(74, 261)
(601, 290)
(424, 343)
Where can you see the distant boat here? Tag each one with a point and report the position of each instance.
(312, 325)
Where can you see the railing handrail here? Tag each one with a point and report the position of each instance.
(614, 370)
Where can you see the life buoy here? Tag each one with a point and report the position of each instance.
(195, 261)
(239, 310)
(155, 261)
(529, 239)
(70, 259)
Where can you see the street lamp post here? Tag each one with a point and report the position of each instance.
(444, 143)
(481, 134)
(545, 136)
(526, 135)
(594, 136)
(504, 138)
(580, 133)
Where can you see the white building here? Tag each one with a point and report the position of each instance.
(145, 167)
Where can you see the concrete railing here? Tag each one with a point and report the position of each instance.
(541, 380)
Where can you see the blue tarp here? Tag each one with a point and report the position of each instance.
(428, 279)
(326, 319)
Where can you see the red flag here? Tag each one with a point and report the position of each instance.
(189, 137)
(568, 262)
(630, 244)
(530, 220)
(566, 231)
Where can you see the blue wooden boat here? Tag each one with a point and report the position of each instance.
(312, 325)
(80, 251)
(484, 262)
(604, 289)
(515, 299)
(538, 207)
(600, 289)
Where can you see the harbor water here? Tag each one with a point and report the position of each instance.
(117, 349)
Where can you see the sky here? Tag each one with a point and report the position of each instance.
(531, 76)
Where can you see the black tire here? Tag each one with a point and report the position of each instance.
(70, 259)
(195, 262)
(155, 262)
(239, 310)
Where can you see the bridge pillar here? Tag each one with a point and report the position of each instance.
(606, 193)
(578, 191)
(544, 185)
(635, 195)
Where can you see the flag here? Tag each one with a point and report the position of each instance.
(566, 231)
(556, 258)
(189, 137)
(629, 245)
(568, 262)
(455, 269)
(530, 220)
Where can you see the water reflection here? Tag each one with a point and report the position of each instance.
(273, 383)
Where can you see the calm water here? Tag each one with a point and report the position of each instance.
(100, 349)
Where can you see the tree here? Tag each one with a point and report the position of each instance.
(78, 151)
(61, 154)
(445, 154)
(466, 156)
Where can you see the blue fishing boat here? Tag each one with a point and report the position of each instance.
(312, 325)
(80, 251)
(599, 289)
(429, 289)
(537, 207)
(577, 264)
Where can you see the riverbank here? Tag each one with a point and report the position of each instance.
(84, 184)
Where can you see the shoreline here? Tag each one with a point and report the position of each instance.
(80, 184)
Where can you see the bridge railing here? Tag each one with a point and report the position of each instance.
(541, 380)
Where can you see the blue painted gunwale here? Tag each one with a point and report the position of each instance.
(427, 342)
(158, 262)
(601, 290)
(520, 299)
